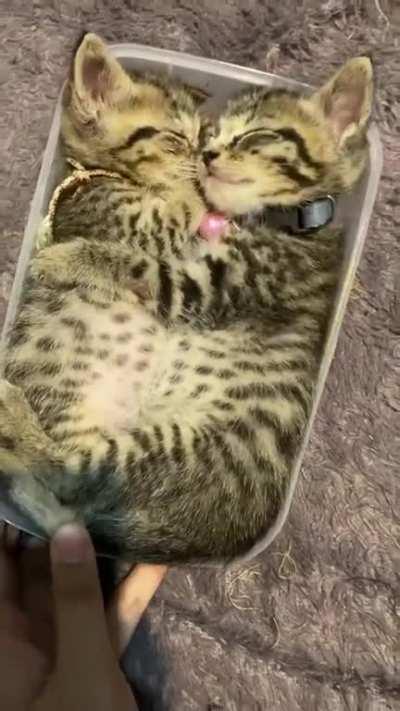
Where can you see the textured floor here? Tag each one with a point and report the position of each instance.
(312, 624)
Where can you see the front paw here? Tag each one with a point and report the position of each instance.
(44, 235)
(59, 264)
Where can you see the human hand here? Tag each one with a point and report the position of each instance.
(58, 650)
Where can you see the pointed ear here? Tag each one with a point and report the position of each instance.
(346, 100)
(98, 80)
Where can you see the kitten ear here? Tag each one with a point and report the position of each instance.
(98, 78)
(346, 100)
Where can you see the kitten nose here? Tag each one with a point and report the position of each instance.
(209, 156)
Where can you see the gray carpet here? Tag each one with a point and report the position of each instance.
(312, 623)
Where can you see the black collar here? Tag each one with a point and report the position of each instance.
(298, 219)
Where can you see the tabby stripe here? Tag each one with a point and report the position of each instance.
(217, 269)
(292, 172)
(290, 134)
(248, 350)
(199, 390)
(309, 291)
(174, 248)
(110, 461)
(251, 272)
(142, 241)
(141, 438)
(159, 436)
(248, 367)
(262, 391)
(130, 462)
(159, 244)
(165, 289)
(223, 405)
(288, 348)
(133, 220)
(294, 391)
(187, 214)
(213, 354)
(226, 374)
(133, 164)
(85, 461)
(231, 465)
(68, 397)
(178, 451)
(72, 434)
(61, 418)
(7, 442)
(156, 219)
(46, 344)
(19, 370)
(139, 269)
(289, 365)
(240, 428)
(287, 442)
(202, 450)
(192, 294)
(120, 202)
(141, 134)
(18, 337)
(247, 253)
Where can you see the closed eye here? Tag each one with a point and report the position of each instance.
(176, 136)
(256, 137)
(175, 142)
(146, 132)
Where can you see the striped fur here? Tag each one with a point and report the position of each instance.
(158, 387)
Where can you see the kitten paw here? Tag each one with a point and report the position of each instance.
(24, 446)
(44, 235)
(54, 264)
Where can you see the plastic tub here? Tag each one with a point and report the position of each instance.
(220, 80)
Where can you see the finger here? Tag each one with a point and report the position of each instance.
(81, 629)
(130, 601)
(36, 596)
(11, 538)
(9, 587)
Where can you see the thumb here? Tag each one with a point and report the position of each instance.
(80, 621)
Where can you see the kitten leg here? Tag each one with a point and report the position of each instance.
(171, 288)
(28, 457)
(24, 446)
(44, 235)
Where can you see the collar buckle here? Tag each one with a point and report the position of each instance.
(314, 215)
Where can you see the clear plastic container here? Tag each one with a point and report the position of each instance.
(221, 81)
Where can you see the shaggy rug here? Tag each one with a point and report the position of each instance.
(312, 624)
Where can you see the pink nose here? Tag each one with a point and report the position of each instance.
(213, 226)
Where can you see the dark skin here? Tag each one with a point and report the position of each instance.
(59, 648)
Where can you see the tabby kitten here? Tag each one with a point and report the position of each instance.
(158, 386)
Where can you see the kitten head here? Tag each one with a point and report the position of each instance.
(142, 128)
(279, 148)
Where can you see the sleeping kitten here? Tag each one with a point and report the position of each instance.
(158, 387)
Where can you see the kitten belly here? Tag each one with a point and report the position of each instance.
(124, 347)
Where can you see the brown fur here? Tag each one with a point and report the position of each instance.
(190, 460)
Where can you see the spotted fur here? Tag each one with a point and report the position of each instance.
(158, 387)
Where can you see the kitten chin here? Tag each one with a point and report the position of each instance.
(241, 199)
(229, 198)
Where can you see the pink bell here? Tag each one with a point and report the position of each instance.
(213, 226)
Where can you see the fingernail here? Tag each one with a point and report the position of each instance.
(71, 544)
